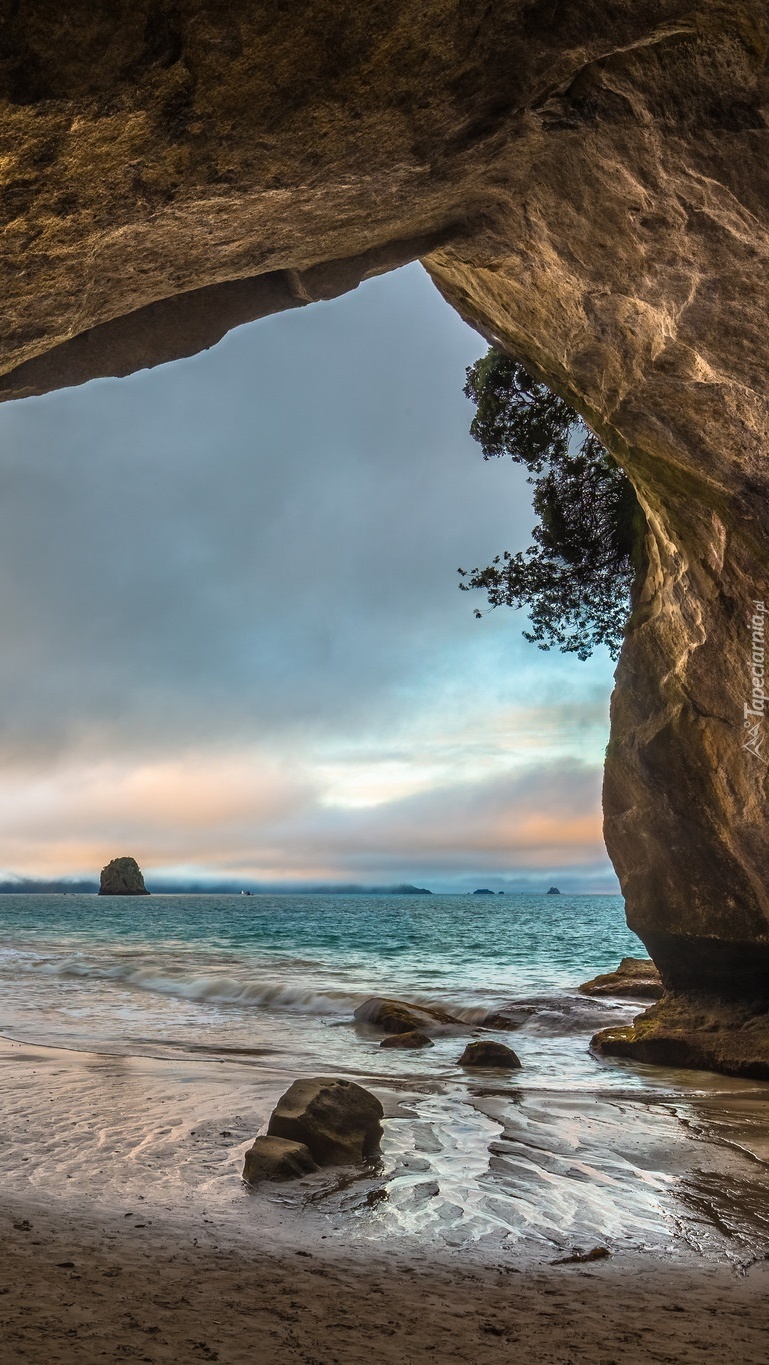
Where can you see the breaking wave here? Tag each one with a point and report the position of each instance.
(545, 1015)
(207, 987)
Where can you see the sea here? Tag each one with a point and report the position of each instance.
(145, 1041)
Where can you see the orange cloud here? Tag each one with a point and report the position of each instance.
(246, 815)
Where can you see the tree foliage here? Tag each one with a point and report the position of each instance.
(575, 580)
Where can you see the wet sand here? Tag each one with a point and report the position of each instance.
(126, 1232)
(487, 1163)
(85, 1288)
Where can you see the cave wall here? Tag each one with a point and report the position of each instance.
(587, 183)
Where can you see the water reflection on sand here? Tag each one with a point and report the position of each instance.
(676, 1162)
(554, 1173)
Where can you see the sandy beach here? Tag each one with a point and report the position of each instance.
(86, 1287)
(127, 1231)
(107, 1255)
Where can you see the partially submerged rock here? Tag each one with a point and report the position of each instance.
(636, 978)
(276, 1158)
(490, 1054)
(696, 1033)
(407, 1040)
(122, 877)
(337, 1120)
(395, 1016)
(502, 1021)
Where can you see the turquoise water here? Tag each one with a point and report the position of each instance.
(536, 935)
(168, 1027)
(277, 973)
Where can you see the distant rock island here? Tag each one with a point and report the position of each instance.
(122, 877)
(483, 891)
(553, 891)
(405, 889)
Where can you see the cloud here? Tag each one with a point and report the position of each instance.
(230, 618)
(246, 816)
(537, 817)
(264, 536)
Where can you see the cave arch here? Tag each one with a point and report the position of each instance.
(587, 185)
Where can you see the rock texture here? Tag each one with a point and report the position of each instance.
(394, 1016)
(275, 1158)
(636, 978)
(503, 1021)
(488, 1054)
(695, 1031)
(122, 877)
(407, 1041)
(338, 1121)
(587, 183)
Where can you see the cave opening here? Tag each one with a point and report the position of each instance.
(245, 561)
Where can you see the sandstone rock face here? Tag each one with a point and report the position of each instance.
(488, 1054)
(636, 978)
(274, 1158)
(587, 184)
(695, 1032)
(122, 877)
(338, 1121)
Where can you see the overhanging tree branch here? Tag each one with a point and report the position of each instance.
(575, 580)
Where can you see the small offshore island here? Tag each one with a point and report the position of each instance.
(122, 877)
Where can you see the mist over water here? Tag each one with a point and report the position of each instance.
(178, 1020)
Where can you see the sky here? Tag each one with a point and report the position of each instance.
(233, 641)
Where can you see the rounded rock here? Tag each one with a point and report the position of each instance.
(395, 1016)
(407, 1040)
(275, 1158)
(337, 1120)
(489, 1054)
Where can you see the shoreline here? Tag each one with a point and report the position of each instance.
(127, 1232)
(153, 1250)
(80, 1287)
(485, 1165)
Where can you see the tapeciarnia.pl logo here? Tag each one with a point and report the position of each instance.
(755, 710)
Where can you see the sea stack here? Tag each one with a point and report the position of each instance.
(122, 877)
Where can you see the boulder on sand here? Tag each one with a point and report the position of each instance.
(394, 1016)
(338, 1121)
(122, 877)
(489, 1054)
(275, 1158)
(407, 1040)
(636, 978)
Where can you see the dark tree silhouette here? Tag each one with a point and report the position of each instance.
(575, 580)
